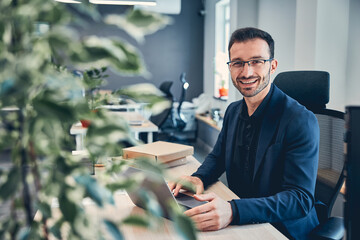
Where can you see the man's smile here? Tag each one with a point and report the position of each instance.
(247, 81)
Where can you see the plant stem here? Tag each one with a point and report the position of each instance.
(26, 192)
(35, 172)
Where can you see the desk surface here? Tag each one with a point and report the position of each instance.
(136, 121)
(124, 207)
(208, 120)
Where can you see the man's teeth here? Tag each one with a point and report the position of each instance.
(248, 82)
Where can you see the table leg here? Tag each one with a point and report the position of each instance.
(79, 139)
(150, 137)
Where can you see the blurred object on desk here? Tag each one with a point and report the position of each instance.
(138, 124)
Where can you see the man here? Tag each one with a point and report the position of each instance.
(268, 147)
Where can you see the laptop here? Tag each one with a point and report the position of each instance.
(155, 184)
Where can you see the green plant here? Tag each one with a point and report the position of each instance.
(37, 40)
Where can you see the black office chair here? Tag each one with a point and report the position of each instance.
(311, 89)
(160, 118)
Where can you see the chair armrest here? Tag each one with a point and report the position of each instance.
(332, 229)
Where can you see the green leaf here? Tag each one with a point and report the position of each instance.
(45, 209)
(126, 184)
(137, 220)
(51, 109)
(184, 226)
(24, 234)
(98, 52)
(114, 230)
(4, 225)
(10, 187)
(56, 228)
(151, 203)
(68, 208)
(94, 190)
(138, 23)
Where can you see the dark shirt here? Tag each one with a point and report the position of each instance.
(247, 138)
(246, 141)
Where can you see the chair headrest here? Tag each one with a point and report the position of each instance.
(310, 88)
(165, 88)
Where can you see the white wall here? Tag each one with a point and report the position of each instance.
(331, 47)
(308, 34)
(353, 56)
(277, 17)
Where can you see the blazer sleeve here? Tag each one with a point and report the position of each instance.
(214, 164)
(296, 197)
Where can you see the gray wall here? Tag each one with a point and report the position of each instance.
(309, 35)
(167, 53)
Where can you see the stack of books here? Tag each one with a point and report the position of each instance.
(170, 154)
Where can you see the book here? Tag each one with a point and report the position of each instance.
(176, 162)
(159, 151)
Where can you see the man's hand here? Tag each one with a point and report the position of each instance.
(214, 215)
(199, 186)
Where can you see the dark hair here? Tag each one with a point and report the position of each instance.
(245, 34)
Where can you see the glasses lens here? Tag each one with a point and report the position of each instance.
(255, 64)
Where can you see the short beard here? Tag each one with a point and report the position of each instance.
(261, 87)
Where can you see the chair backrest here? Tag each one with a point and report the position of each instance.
(160, 118)
(311, 89)
(330, 176)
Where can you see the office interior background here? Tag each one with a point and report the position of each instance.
(309, 35)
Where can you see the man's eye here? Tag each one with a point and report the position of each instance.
(238, 64)
(256, 62)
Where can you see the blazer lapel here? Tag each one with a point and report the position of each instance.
(268, 127)
(231, 132)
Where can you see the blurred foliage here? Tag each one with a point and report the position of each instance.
(40, 99)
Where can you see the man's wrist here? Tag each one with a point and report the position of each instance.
(235, 213)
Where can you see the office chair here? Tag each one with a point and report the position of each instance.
(311, 89)
(160, 118)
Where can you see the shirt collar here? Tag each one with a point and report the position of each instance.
(259, 112)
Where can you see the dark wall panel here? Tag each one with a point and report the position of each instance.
(167, 53)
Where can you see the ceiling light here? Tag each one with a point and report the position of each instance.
(123, 2)
(68, 1)
(164, 6)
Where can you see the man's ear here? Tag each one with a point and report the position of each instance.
(274, 64)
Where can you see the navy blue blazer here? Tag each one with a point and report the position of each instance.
(285, 166)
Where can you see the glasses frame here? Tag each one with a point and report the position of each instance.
(248, 62)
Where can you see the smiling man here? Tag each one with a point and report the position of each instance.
(268, 147)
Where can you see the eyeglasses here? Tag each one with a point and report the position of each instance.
(256, 64)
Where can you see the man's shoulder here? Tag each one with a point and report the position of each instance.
(233, 107)
(292, 108)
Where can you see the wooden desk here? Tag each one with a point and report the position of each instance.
(124, 207)
(208, 120)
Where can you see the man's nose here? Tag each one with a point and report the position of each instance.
(247, 70)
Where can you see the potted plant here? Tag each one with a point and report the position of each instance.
(223, 92)
(37, 41)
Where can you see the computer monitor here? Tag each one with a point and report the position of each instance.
(352, 153)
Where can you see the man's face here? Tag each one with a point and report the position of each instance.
(251, 80)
